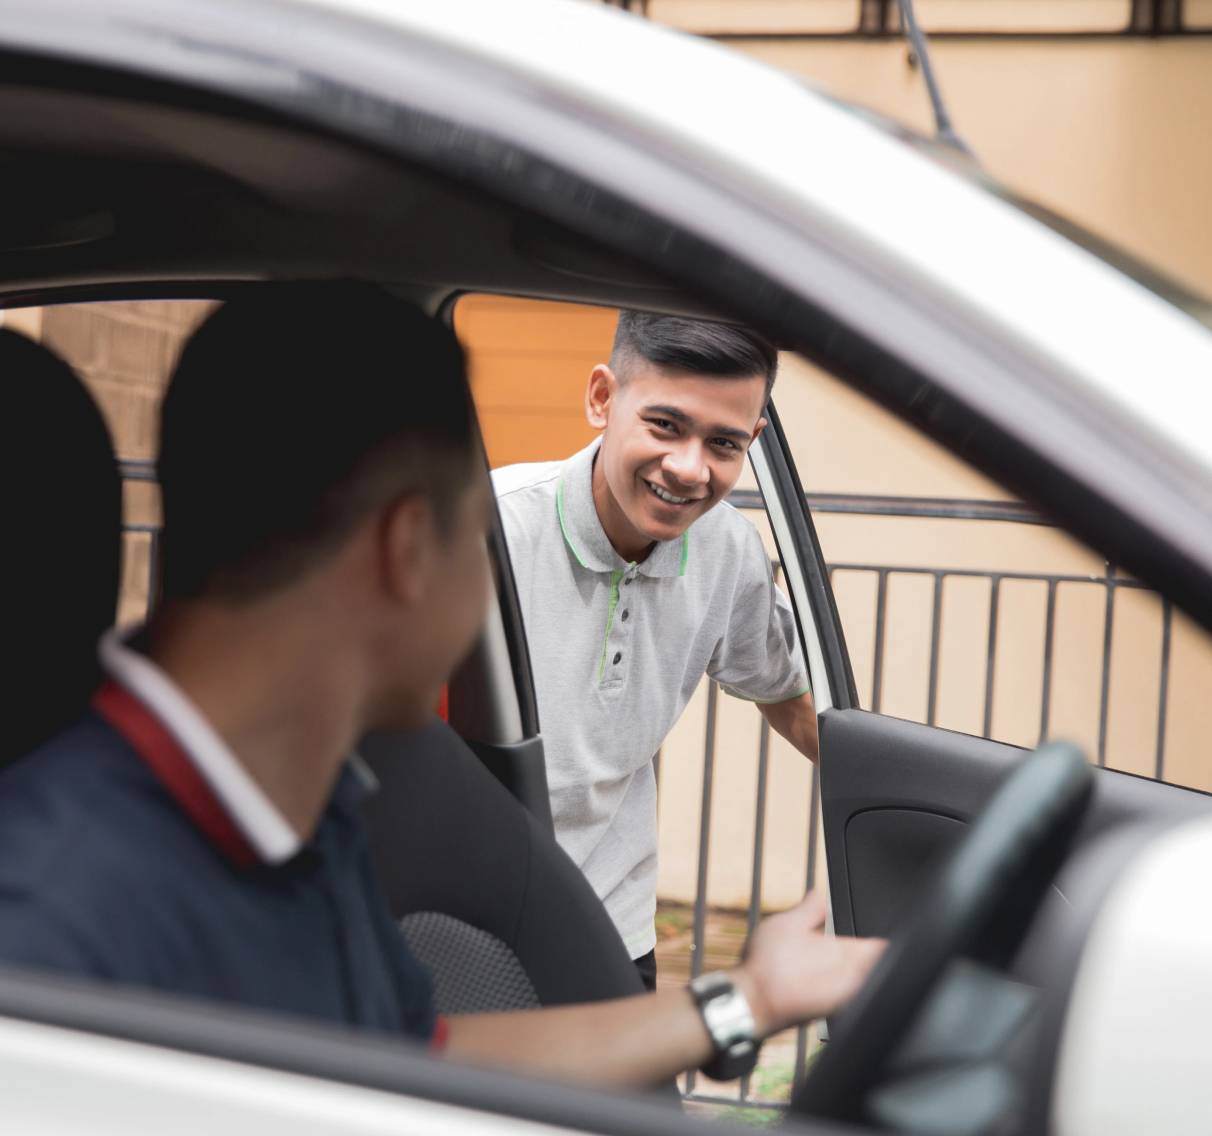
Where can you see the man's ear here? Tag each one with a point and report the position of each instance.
(757, 430)
(599, 394)
(407, 538)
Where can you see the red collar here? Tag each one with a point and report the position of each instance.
(174, 769)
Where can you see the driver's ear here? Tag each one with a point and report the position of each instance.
(757, 430)
(407, 546)
(599, 394)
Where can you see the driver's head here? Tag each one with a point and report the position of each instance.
(317, 434)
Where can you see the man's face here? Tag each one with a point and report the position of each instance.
(674, 446)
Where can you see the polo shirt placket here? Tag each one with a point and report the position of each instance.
(616, 648)
(589, 545)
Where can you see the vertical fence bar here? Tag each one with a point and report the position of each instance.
(698, 947)
(1045, 698)
(936, 623)
(995, 588)
(877, 677)
(759, 843)
(1105, 686)
(814, 811)
(1163, 691)
(759, 828)
(153, 573)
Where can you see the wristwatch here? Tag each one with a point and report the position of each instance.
(729, 1022)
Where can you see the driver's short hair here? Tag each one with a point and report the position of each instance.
(294, 412)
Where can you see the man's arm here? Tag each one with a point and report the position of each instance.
(793, 973)
(795, 719)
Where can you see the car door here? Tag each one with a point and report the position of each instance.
(972, 614)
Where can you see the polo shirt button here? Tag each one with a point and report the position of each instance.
(617, 656)
(625, 614)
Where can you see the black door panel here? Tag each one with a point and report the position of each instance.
(890, 851)
(892, 793)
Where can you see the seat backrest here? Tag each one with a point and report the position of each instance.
(63, 516)
(487, 899)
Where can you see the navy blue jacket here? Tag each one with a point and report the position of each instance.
(103, 875)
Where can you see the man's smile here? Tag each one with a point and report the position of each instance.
(669, 498)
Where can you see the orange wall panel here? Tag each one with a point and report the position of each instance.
(529, 362)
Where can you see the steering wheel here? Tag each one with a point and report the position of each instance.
(1001, 867)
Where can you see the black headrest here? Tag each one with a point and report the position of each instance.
(62, 518)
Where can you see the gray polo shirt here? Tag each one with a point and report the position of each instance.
(618, 649)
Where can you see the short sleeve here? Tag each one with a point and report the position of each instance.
(758, 658)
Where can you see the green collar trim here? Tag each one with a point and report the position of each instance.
(564, 524)
(685, 553)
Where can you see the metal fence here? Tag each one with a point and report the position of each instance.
(880, 19)
(692, 1087)
(1110, 582)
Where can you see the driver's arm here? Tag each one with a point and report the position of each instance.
(795, 719)
(793, 974)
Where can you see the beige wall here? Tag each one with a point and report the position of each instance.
(528, 366)
(1111, 133)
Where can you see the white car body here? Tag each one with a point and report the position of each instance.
(1022, 327)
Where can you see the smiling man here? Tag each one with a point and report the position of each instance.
(634, 585)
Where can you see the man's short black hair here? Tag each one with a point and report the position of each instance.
(698, 347)
(293, 413)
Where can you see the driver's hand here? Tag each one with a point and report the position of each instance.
(793, 972)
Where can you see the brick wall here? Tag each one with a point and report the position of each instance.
(125, 352)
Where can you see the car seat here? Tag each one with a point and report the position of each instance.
(487, 899)
(64, 521)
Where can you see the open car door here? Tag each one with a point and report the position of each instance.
(897, 796)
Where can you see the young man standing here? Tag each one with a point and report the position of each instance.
(634, 585)
(196, 831)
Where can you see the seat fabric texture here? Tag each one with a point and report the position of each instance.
(473, 972)
(447, 838)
